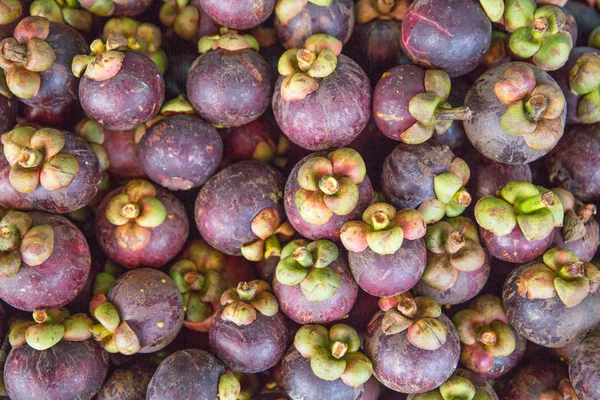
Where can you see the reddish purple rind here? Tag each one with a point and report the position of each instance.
(67, 370)
(573, 164)
(166, 240)
(8, 112)
(9, 197)
(81, 190)
(453, 35)
(240, 142)
(181, 152)
(123, 153)
(529, 381)
(503, 365)
(393, 92)
(58, 118)
(408, 173)
(405, 368)
(145, 298)
(249, 348)
(130, 98)
(299, 381)
(230, 88)
(81, 303)
(241, 14)
(131, 8)
(127, 383)
(484, 129)
(186, 374)
(467, 286)
(390, 274)
(514, 247)
(584, 248)
(333, 115)
(584, 368)
(331, 229)
(478, 381)
(59, 86)
(364, 308)
(293, 303)
(60, 278)
(229, 201)
(375, 46)
(548, 322)
(565, 354)
(336, 20)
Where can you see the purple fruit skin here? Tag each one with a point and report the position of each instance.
(230, 88)
(586, 19)
(123, 153)
(467, 286)
(584, 369)
(68, 370)
(181, 151)
(565, 354)
(503, 365)
(8, 112)
(249, 348)
(586, 247)
(81, 190)
(514, 247)
(453, 35)
(575, 162)
(331, 229)
(483, 128)
(333, 115)
(186, 374)
(241, 14)
(336, 20)
(130, 98)
(455, 137)
(229, 201)
(298, 380)
(405, 368)
(529, 381)
(548, 322)
(408, 173)
(60, 278)
(9, 197)
(392, 274)
(297, 307)
(58, 86)
(477, 380)
(127, 383)
(160, 302)
(131, 8)
(392, 94)
(166, 240)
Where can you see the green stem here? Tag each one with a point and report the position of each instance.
(453, 114)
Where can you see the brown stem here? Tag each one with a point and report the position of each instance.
(535, 107)
(338, 349)
(329, 185)
(454, 243)
(385, 6)
(453, 114)
(246, 290)
(586, 212)
(573, 270)
(548, 199)
(540, 24)
(195, 280)
(9, 240)
(15, 52)
(487, 337)
(407, 306)
(30, 158)
(130, 211)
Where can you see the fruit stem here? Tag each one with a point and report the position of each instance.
(539, 26)
(329, 185)
(454, 243)
(303, 256)
(453, 114)
(534, 203)
(194, 280)
(246, 290)
(586, 212)
(407, 306)
(385, 6)
(338, 349)
(130, 211)
(14, 52)
(8, 239)
(380, 220)
(487, 336)
(535, 107)
(30, 158)
(572, 271)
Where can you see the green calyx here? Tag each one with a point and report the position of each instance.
(63, 12)
(12, 10)
(432, 110)
(182, 16)
(577, 216)
(370, 10)
(560, 274)
(584, 80)
(303, 67)
(485, 333)
(533, 111)
(334, 353)
(271, 231)
(50, 327)
(382, 229)
(417, 316)
(93, 133)
(536, 210)
(328, 186)
(455, 388)
(307, 264)
(112, 333)
(286, 10)
(227, 40)
(135, 211)
(540, 34)
(241, 304)
(25, 55)
(20, 242)
(229, 387)
(453, 246)
(105, 59)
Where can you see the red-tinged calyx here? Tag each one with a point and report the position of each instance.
(63, 12)
(25, 55)
(484, 331)
(113, 334)
(104, 61)
(334, 353)
(304, 67)
(456, 387)
(328, 186)
(432, 110)
(584, 80)
(241, 304)
(307, 264)
(227, 40)
(271, 231)
(12, 10)
(135, 211)
(370, 10)
(562, 275)
(536, 210)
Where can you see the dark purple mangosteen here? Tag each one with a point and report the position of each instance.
(58, 118)
(45, 260)
(244, 14)
(584, 368)
(553, 302)
(463, 384)
(8, 106)
(536, 378)
(141, 225)
(9, 197)
(127, 383)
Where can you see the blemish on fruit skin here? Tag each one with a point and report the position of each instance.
(160, 324)
(388, 117)
(163, 280)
